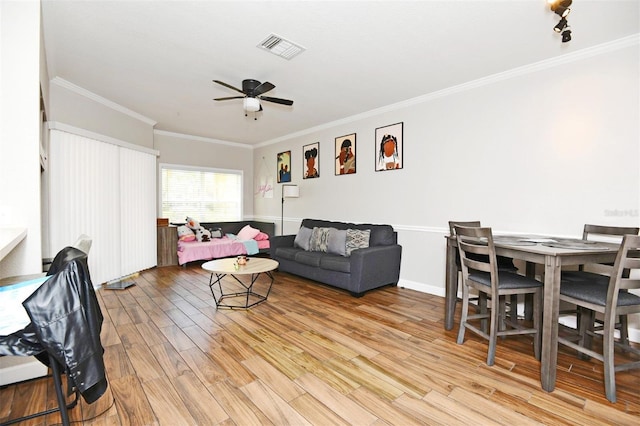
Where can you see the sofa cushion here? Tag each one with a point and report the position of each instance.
(303, 238)
(311, 258)
(335, 263)
(357, 239)
(288, 253)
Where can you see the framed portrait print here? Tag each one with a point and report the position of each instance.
(311, 161)
(345, 161)
(388, 147)
(284, 167)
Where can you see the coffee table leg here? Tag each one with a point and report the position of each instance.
(246, 294)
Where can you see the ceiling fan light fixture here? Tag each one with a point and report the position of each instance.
(251, 104)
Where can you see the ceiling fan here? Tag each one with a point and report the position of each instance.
(252, 91)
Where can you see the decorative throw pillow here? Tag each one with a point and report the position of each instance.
(261, 236)
(216, 232)
(248, 233)
(319, 239)
(337, 243)
(185, 233)
(357, 239)
(302, 238)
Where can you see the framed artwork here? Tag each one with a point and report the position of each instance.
(346, 154)
(388, 147)
(284, 167)
(311, 161)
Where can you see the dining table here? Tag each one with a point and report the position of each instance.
(552, 252)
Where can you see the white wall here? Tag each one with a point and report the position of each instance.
(542, 149)
(78, 107)
(20, 132)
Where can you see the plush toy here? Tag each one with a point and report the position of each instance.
(202, 234)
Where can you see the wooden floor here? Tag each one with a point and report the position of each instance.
(315, 355)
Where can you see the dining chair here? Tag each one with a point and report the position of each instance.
(504, 264)
(480, 272)
(600, 272)
(609, 300)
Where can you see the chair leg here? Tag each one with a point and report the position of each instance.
(493, 330)
(624, 330)
(513, 308)
(62, 402)
(482, 308)
(587, 319)
(537, 323)
(502, 314)
(464, 313)
(608, 343)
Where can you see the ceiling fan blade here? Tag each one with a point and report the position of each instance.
(263, 88)
(277, 100)
(228, 85)
(229, 97)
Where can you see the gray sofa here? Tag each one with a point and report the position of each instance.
(364, 269)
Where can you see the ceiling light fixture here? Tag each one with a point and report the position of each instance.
(560, 7)
(251, 104)
(561, 25)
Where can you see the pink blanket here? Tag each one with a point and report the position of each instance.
(214, 249)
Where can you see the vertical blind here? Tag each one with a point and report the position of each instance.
(108, 193)
(207, 195)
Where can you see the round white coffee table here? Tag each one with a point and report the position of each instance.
(240, 294)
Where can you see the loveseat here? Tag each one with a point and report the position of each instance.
(367, 257)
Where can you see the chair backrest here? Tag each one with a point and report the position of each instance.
(605, 233)
(477, 253)
(452, 233)
(454, 223)
(626, 269)
(83, 243)
(608, 231)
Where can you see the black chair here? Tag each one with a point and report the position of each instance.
(480, 272)
(64, 332)
(611, 300)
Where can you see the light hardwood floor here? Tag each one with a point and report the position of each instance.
(315, 355)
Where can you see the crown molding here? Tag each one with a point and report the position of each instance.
(589, 52)
(99, 99)
(56, 125)
(200, 139)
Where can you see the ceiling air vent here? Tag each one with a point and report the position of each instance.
(281, 47)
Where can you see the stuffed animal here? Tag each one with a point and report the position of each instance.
(202, 234)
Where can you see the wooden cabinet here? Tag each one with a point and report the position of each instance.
(167, 245)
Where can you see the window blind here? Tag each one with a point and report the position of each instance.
(108, 193)
(207, 195)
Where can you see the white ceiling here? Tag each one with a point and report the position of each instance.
(158, 58)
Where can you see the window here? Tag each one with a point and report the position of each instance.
(207, 195)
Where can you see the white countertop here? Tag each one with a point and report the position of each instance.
(9, 238)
